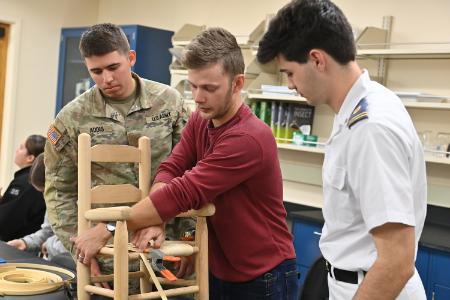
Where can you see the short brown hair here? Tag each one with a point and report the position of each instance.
(211, 46)
(102, 39)
(35, 144)
(37, 172)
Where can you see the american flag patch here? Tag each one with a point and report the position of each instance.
(53, 135)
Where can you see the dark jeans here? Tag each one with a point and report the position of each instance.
(280, 283)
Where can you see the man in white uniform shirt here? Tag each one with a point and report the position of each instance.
(374, 178)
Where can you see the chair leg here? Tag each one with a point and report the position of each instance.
(83, 279)
(121, 261)
(201, 261)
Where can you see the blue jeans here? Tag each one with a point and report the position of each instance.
(280, 283)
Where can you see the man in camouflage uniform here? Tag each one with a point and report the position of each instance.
(119, 109)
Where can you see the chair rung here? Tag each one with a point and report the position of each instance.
(178, 282)
(117, 213)
(109, 251)
(173, 248)
(170, 293)
(99, 291)
(110, 277)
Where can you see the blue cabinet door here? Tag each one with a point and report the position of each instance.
(441, 292)
(306, 244)
(152, 48)
(303, 271)
(306, 241)
(422, 264)
(73, 76)
(439, 275)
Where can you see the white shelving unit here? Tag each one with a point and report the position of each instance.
(301, 148)
(304, 194)
(301, 165)
(309, 160)
(276, 97)
(421, 51)
(428, 157)
(428, 105)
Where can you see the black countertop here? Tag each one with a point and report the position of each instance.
(435, 234)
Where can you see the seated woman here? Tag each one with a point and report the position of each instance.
(44, 239)
(22, 207)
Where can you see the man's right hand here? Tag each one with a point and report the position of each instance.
(185, 267)
(19, 244)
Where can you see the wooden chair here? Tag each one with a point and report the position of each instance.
(127, 193)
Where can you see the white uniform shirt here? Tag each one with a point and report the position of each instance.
(373, 173)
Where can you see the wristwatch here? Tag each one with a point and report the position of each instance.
(111, 227)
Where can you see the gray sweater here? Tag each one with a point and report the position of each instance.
(44, 235)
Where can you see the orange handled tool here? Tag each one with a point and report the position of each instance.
(157, 261)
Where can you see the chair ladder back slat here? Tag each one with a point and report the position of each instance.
(144, 166)
(117, 194)
(115, 153)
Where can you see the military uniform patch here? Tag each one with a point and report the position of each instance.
(53, 135)
(97, 129)
(56, 138)
(359, 113)
(161, 116)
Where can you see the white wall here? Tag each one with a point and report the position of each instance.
(239, 17)
(36, 56)
(32, 67)
(414, 21)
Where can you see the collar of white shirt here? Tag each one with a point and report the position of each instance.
(354, 95)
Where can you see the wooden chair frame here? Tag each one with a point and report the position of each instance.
(127, 193)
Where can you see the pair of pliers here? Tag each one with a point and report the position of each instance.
(157, 258)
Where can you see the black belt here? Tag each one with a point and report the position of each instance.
(343, 275)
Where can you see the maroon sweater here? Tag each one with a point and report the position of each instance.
(236, 167)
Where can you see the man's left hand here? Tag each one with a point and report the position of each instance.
(90, 242)
(142, 238)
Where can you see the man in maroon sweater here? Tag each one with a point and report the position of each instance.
(228, 157)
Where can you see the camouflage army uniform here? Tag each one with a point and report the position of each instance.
(158, 113)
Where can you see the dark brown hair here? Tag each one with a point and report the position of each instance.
(102, 39)
(303, 25)
(37, 172)
(211, 46)
(35, 144)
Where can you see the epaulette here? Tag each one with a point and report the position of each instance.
(359, 113)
